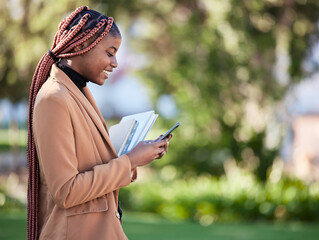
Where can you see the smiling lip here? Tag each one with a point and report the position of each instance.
(106, 72)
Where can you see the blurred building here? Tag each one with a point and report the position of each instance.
(300, 148)
(305, 150)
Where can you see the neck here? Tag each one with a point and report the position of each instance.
(69, 63)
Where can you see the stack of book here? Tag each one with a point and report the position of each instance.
(131, 130)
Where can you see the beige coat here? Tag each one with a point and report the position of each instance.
(80, 172)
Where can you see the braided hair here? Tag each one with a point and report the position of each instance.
(82, 25)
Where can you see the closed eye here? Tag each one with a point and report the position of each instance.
(110, 54)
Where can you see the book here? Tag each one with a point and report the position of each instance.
(145, 122)
(121, 135)
(131, 130)
(129, 140)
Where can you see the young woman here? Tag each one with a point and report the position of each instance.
(74, 171)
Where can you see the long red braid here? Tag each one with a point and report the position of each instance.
(65, 40)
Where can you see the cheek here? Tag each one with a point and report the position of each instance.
(95, 67)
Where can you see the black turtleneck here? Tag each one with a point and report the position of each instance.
(76, 78)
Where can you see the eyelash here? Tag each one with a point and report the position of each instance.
(110, 55)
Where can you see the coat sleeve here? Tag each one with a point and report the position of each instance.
(55, 145)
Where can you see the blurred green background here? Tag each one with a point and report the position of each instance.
(227, 65)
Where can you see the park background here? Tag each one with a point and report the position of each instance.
(241, 78)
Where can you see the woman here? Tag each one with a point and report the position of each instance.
(74, 171)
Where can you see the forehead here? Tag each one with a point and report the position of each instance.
(111, 42)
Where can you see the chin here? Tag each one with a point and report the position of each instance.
(99, 82)
(102, 82)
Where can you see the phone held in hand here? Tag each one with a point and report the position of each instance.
(169, 132)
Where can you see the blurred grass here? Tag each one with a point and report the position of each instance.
(13, 225)
(148, 226)
(140, 226)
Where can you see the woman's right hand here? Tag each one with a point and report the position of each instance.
(146, 151)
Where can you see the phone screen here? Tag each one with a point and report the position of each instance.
(169, 132)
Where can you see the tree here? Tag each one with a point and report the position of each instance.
(226, 63)
(27, 28)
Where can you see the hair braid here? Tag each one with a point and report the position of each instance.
(92, 33)
(65, 23)
(80, 26)
(70, 34)
(77, 38)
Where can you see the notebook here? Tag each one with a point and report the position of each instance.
(121, 135)
(145, 122)
(131, 130)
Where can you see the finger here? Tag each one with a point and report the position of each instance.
(165, 146)
(161, 151)
(160, 155)
(161, 143)
(158, 137)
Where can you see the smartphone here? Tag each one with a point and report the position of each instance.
(169, 132)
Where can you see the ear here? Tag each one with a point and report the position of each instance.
(81, 46)
(78, 48)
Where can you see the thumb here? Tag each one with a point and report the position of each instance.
(161, 143)
(158, 138)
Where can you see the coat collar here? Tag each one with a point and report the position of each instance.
(87, 102)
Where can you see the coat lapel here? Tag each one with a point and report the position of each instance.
(87, 102)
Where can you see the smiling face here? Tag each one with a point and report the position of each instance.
(96, 64)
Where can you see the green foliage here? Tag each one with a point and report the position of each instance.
(9, 203)
(216, 59)
(27, 28)
(236, 196)
(12, 193)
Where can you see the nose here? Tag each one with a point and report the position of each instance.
(114, 62)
